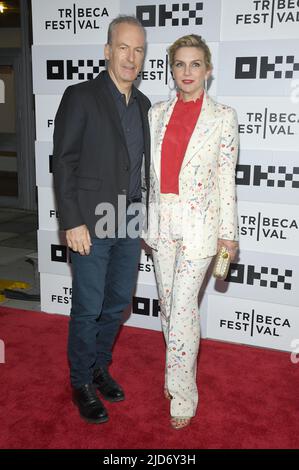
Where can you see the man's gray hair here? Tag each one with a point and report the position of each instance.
(123, 19)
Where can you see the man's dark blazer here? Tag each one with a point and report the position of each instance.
(91, 162)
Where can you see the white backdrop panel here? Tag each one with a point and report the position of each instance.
(168, 20)
(47, 209)
(155, 77)
(258, 68)
(146, 272)
(270, 228)
(257, 19)
(266, 123)
(53, 254)
(56, 293)
(71, 21)
(45, 110)
(43, 163)
(59, 66)
(261, 276)
(251, 322)
(268, 175)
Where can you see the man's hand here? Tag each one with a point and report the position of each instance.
(78, 239)
(231, 246)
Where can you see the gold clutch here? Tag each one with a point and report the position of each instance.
(222, 262)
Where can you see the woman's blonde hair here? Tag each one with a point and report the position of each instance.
(191, 40)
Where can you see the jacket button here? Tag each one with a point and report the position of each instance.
(126, 168)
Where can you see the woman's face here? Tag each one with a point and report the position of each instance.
(189, 71)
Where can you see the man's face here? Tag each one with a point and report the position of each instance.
(126, 53)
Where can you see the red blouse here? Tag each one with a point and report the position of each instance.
(178, 133)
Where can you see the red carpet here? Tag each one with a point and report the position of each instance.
(248, 396)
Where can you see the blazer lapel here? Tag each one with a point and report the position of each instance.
(145, 126)
(146, 136)
(203, 129)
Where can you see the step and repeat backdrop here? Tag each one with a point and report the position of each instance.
(255, 48)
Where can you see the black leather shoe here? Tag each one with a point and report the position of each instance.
(90, 406)
(110, 390)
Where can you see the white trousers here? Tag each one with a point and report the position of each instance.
(179, 281)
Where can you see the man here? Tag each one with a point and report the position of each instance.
(101, 134)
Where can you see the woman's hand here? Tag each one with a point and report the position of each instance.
(231, 246)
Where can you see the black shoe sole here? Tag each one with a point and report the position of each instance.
(111, 400)
(95, 421)
(104, 419)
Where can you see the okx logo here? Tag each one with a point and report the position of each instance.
(279, 67)
(177, 14)
(71, 69)
(262, 276)
(270, 176)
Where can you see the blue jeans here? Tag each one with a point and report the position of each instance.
(103, 284)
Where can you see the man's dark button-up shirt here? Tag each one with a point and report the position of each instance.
(131, 121)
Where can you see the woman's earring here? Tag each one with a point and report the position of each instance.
(171, 85)
(206, 84)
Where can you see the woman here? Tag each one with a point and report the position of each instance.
(192, 210)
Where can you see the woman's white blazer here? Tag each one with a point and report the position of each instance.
(207, 191)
